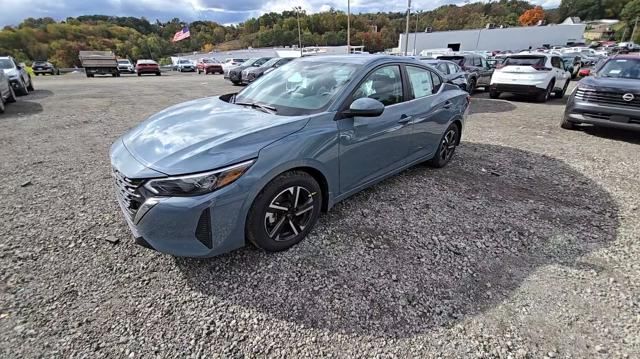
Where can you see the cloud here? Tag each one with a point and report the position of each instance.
(221, 11)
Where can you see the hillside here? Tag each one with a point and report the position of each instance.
(136, 38)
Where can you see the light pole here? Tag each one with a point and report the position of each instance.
(406, 33)
(415, 37)
(633, 34)
(348, 27)
(298, 9)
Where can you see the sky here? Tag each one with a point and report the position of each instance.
(12, 12)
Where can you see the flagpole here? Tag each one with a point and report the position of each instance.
(348, 26)
(406, 34)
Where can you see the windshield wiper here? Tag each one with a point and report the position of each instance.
(263, 108)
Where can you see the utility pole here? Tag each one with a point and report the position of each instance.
(348, 27)
(633, 34)
(298, 9)
(415, 37)
(406, 34)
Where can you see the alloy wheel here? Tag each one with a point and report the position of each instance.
(289, 213)
(448, 145)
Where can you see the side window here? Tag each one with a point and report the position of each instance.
(420, 81)
(443, 67)
(485, 65)
(436, 82)
(384, 85)
(477, 62)
(556, 62)
(453, 69)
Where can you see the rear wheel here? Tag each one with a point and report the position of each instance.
(494, 94)
(543, 96)
(447, 147)
(472, 85)
(158, 73)
(284, 212)
(1, 104)
(560, 94)
(139, 74)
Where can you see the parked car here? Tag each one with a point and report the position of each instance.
(260, 165)
(453, 73)
(573, 63)
(124, 65)
(250, 74)
(229, 64)
(235, 74)
(147, 67)
(44, 68)
(6, 91)
(536, 74)
(477, 66)
(18, 76)
(184, 65)
(610, 97)
(209, 66)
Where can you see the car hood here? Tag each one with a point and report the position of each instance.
(205, 134)
(11, 72)
(611, 84)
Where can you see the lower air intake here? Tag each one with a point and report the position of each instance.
(203, 230)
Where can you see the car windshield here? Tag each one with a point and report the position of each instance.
(300, 88)
(124, 62)
(39, 63)
(270, 62)
(184, 62)
(251, 61)
(457, 59)
(525, 61)
(621, 68)
(6, 64)
(260, 61)
(238, 60)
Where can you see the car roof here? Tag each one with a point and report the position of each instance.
(626, 56)
(360, 59)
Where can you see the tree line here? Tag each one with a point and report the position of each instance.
(136, 38)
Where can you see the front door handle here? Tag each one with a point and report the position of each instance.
(448, 105)
(404, 119)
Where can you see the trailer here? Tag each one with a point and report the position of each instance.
(100, 63)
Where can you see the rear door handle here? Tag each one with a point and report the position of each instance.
(404, 119)
(448, 104)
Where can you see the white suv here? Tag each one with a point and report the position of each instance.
(534, 74)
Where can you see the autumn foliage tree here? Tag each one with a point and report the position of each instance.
(531, 16)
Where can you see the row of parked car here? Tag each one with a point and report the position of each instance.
(14, 80)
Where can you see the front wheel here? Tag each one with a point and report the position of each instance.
(560, 94)
(284, 212)
(158, 73)
(472, 86)
(30, 85)
(447, 147)
(12, 95)
(544, 95)
(494, 94)
(23, 90)
(566, 124)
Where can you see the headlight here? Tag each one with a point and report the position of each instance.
(13, 77)
(197, 184)
(585, 87)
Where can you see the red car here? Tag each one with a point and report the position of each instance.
(209, 66)
(147, 67)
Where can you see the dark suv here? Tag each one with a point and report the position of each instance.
(609, 98)
(478, 69)
(235, 74)
(43, 68)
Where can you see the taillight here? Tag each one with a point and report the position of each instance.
(541, 68)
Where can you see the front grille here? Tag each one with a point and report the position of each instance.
(127, 193)
(607, 98)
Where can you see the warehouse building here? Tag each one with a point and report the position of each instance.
(511, 38)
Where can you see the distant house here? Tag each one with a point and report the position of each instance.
(571, 21)
(600, 29)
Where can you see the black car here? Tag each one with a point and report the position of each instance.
(44, 68)
(252, 73)
(476, 65)
(235, 74)
(609, 98)
(452, 72)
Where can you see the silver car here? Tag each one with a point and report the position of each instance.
(6, 91)
(19, 78)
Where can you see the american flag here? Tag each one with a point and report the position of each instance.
(181, 35)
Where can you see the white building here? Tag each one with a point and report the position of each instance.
(511, 38)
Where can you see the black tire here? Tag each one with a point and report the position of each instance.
(447, 147)
(494, 94)
(275, 222)
(139, 74)
(560, 94)
(12, 95)
(158, 74)
(566, 124)
(23, 90)
(30, 85)
(472, 85)
(198, 71)
(37, 74)
(544, 96)
(1, 104)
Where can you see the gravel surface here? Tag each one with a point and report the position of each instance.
(525, 246)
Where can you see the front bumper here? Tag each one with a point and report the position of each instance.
(200, 226)
(235, 77)
(187, 69)
(43, 71)
(15, 83)
(623, 117)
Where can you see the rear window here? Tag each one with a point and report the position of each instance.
(525, 61)
(457, 59)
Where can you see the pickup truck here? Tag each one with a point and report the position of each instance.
(99, 62)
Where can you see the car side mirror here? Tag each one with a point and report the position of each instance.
(365, 107)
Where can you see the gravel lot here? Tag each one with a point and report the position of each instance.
(526, 245)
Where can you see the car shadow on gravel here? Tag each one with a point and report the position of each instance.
(21, 108)
(38, 95)
(424, 249)
(613, 134)
(480, 105)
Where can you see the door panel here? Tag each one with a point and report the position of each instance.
(371, 147)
